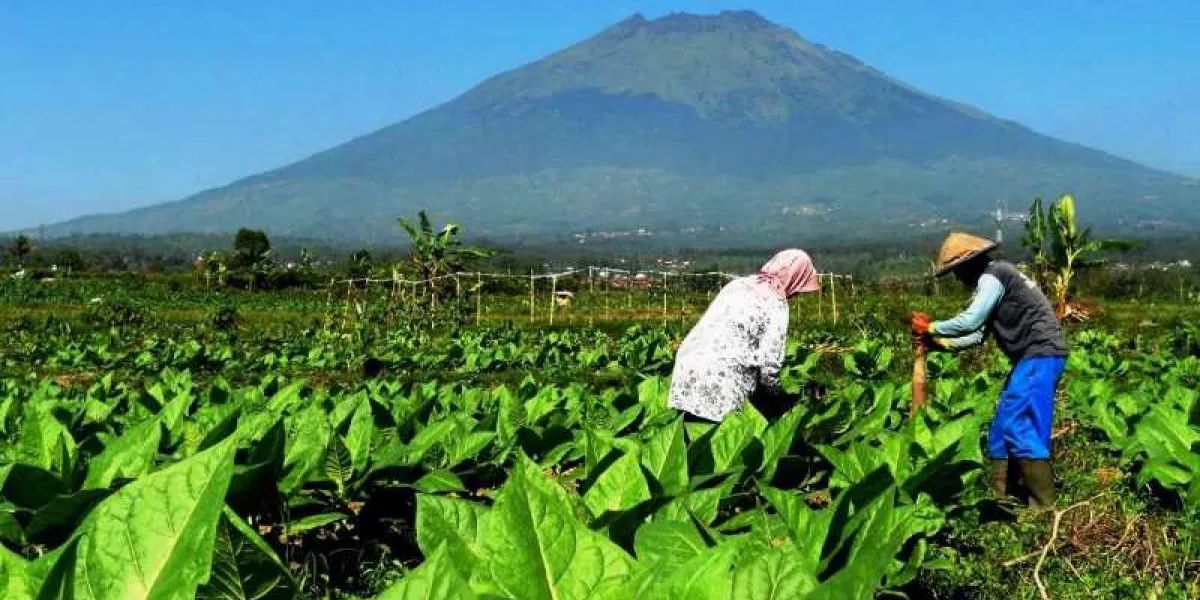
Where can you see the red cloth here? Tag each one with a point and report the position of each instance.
(789, 273)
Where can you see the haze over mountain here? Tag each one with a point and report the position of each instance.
(713, 127)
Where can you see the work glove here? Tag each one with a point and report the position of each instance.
(920, 324)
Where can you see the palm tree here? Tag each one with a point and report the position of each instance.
(436, 254)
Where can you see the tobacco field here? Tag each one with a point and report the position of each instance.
(146, 455)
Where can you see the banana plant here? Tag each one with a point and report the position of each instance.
(440, 253)
(1060, 248)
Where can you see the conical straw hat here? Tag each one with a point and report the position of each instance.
(958, 249)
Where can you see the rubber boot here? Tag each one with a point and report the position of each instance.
(1039, 478)
(999, 478)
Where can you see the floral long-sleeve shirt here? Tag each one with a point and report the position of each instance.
(739, 343)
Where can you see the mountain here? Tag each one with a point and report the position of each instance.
(710, 127)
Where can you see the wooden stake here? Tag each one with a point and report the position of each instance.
(820, 300)
(919, 395)
(833, 296)
(478, 298)
(531, 298)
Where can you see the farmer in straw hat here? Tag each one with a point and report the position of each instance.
(738, 346)
(1010, 307)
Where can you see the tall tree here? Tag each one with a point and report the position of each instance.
(249, 247)
(20, 249)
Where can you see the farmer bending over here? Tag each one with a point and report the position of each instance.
(1010, 307)
(740, 341)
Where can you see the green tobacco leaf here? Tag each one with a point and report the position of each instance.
(652, 394)
(338, 467)
(808, 528)
(358, 436)
(244, 566)
(536, 549)
(47, 444)
(707, 576)
(308, 435)
(29, 486)
(439, 481)
(620, 487)
(129, 456)
(425, 439)
(873, 552)
(438, 578)
(467, 447)
(50, 577)
(312, 522)
(10, 527)
(734, 435)
(669, 542)
(154, 538)
(777, 440)
(665, 457)
(172, 415)
(777, 574)
(14, 584)
(452, 523)
(703, 504)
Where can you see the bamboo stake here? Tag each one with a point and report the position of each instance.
(833, 296)
(531, 296)
(605, 285)
(478, 298)
(553, 296)
(664, 299)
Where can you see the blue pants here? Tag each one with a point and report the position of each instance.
(1025, 414)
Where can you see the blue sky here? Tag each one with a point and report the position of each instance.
(109, 105)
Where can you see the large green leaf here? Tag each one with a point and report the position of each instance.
(671, 542)
(734, 435)
(776, 574)
(154, 538)
(706, 576)
(452, 523)
(665, 457)
(701, 504)
(244, 566)
(308, 436)
(438, 578)
(359, 434)
(129, 456)
(14, 584)
(536, 549)
(47, 444)
(875, 548)
(808, 528)
(439, 481)
(777, 440)
(620, 487)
